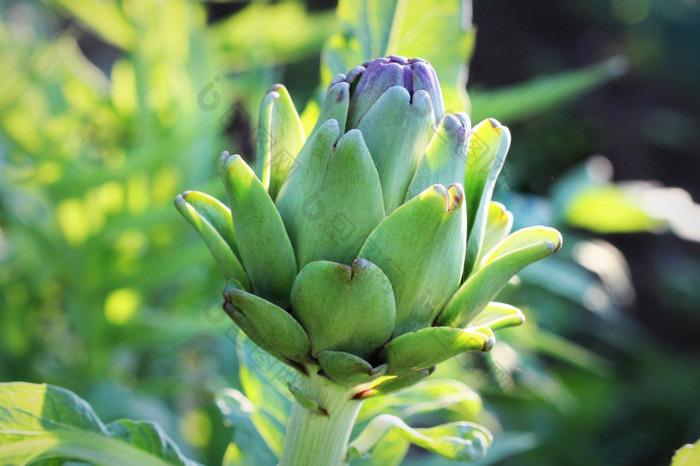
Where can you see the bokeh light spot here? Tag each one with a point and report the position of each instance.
(121, 305)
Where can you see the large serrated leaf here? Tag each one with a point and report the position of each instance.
(427, 396)
(264, 380)
(247, 447)
(44, 422)
(462, 441)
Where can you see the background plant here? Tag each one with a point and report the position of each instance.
(90, 302)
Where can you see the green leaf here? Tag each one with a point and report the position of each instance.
(42, 422)
(412, 352)
(277, 33)
(497, 316)
(105, 19)
(266, 252)
(488, 146)
(268, 325)
(439, 31)
(265, 383)
(509, 445)
(212, 220)
(427, 396)
(610, 209)
(687, 455)
(540, 94)
(280, 136)
(445, 158)
(247, 446)
(333, 200)
(460, 441)
(348, 369)
(513, 253)
(420, 247)
(531, 338)
(389, 450)
(344, 308)
(397, 129)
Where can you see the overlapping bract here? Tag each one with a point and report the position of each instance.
(371, 248)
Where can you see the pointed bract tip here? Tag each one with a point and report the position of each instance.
(338, 78)
(495, 124)
(360, 266)
(464, 119)
(439, 190)
(350, 143)
(354, 74)
(455, 128)
(231, 289)
(456, 197)
(275, 88)
(228, 160)
(339, 91)
(559, 243)
(180, 200)
(489, 344)
(360, 263)
(421, 103)
(223, 157)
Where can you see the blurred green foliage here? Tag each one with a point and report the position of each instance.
(109, 109)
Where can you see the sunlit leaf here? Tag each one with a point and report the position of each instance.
(277, 33)
(427, 396)
(264, 380)
(42, 422)
(687, 455)
(462, 441)
(247, 447)
(540, 94)
(609, 209)
(104, 18)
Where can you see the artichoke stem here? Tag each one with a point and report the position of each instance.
(320, 437)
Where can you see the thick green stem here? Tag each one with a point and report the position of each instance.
(320, 437)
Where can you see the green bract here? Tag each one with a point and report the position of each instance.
(369, 251)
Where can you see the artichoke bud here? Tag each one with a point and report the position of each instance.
(369, 81)
(369, 251)
(396, 103)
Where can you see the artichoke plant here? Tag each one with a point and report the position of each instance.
(369, 250)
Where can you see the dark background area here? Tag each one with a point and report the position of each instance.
(646, 123)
